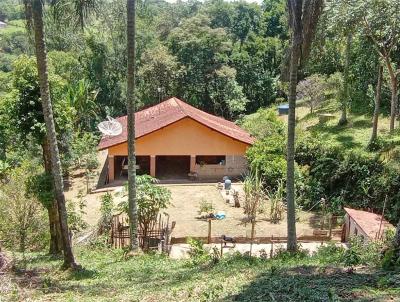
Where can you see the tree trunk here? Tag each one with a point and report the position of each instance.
(131, 106)
(393, 88)
(375, 118)
(345, 96)
(397, 236)
(41, 58)
(296, 12)
(52, 209)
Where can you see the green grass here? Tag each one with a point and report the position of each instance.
(108, 277)
(355, 135)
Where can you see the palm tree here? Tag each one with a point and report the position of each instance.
(303, 19)
(35, 9)
(295, 12)
(130, 96)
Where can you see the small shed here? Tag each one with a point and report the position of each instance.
(3, 24)
(368, 225)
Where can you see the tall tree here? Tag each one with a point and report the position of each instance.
(344, 23)
(381, 20)
(375, 118)
(131, 105)
(35, 9)
(303, 19)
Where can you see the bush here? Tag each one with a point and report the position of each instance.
(75, 214)
(205, 207)
(198, 254)
(355, 179)
(357, 253)
(23, 221)
(106, 211)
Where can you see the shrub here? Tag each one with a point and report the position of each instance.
(23, 222)
(198, 254)
(75, 212)
(331, 253)
(106, 209)
(150, 199)
(205, 207)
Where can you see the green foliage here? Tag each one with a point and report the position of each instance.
(263, 123)
(205, 207)
(198, 254)
(150, 198)
(83, 150)
(351, 178)
(358, 252)
(159, 71)
(106, 212)
(75, 212)
(22, 219)
(108, 276)
(40, 186)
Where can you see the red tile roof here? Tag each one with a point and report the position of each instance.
(368, 222)
(168, 112)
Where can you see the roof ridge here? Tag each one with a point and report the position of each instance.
(179, 103)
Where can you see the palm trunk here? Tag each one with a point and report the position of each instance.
(345, 95)
(374, 134)
(41, 57)
(296, 7)
(130, 96)
(52, 210)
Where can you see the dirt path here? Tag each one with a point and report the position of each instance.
(185, 206)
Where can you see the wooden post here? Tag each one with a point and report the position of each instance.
(253, 223)
(271, 254)
(153, 165)
(330, 226)
(111, 173)
(209, 231)
(192, 163)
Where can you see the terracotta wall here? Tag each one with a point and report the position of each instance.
(185, 137)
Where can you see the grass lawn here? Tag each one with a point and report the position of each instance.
(108, 277)
(353, 136)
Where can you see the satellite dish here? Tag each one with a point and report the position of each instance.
(111, 127)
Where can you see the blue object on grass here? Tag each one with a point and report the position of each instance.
(283, 109)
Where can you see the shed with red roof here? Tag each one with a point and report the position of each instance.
(369, 226)
(175, 140)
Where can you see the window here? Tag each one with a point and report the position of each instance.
(210, 160)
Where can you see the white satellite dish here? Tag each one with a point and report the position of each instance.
(111, 127)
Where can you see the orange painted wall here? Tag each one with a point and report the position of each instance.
(184, 137)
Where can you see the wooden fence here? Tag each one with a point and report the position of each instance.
(156, 237)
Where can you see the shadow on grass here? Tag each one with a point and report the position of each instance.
(362, 124)
(82, 274)
(309, 283)
(348, 141)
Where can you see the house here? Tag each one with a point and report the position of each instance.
(369, 226)
(3, 24)
(175, 140)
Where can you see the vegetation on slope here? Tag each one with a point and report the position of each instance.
(108, 277)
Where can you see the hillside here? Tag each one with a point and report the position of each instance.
(108, 277)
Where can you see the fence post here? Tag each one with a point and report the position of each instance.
(330, 226)
(209, 231)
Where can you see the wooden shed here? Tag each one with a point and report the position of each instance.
(368, 225)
